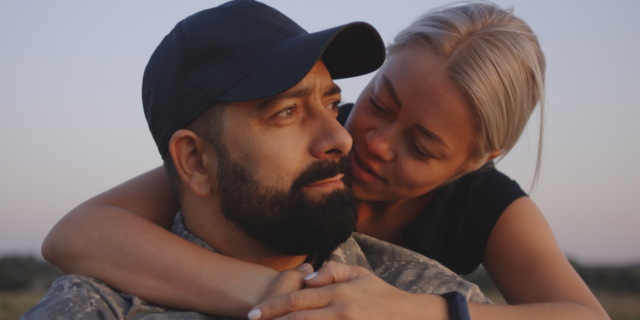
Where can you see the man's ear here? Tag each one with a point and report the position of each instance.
(191, 161)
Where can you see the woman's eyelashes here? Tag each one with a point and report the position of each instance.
(420, 152)
(377, 106)
(417, 148)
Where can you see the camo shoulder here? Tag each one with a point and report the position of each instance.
(350, 253)
(78, 297)
(81, 297)
(180, 229)
(413, 272)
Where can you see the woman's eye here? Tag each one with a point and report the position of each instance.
(377, 106)
(419, 151)
(287, 112)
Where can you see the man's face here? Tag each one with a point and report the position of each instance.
(279, 173)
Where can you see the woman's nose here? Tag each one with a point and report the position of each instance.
(379, 145)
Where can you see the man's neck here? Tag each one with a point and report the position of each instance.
(228, 239)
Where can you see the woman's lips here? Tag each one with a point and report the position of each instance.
(359, 170)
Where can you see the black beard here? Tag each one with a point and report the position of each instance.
(289, 221)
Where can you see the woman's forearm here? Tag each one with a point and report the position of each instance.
(535, 311)
(525, 262)
(339, 291)
(138, 257)
(118, 237)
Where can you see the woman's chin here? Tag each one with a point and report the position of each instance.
(368, 192)
(360, 191)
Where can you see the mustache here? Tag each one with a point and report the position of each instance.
(323, 169)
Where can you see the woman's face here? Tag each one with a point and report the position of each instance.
(412, 129)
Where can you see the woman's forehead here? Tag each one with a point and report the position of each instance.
(418, 79)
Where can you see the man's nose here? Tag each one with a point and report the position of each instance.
(332, 140)
(379, 145)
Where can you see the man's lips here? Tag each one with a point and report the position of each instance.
(332, 182)
(360, 170)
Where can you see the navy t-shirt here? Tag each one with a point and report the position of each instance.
(455, 226)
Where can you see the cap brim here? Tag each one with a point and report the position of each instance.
(347, 51)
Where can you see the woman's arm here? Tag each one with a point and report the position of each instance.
(533, 275)
(522, 258)
(118, 237)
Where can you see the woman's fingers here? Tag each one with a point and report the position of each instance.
(334, 272)
(314, 314)
(287, 281)
(290, 302)
(352, 293)
(312, 303)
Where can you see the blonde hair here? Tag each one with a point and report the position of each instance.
(495, 60)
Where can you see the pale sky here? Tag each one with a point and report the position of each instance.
(72, 126)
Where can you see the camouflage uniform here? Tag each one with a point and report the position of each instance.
(81, 297)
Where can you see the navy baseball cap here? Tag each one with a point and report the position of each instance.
(239, 51)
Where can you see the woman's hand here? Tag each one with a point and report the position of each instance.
(288, 281)
(339, 291)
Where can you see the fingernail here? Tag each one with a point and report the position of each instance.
(304, 267)
(311, 276)
(254, 314)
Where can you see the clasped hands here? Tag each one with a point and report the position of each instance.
(340, 291)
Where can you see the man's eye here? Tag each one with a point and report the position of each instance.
(334, 105)
(287, 112)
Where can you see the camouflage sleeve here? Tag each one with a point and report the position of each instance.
(413, 272)
(350, 253)
(80, 297)
(77, 297)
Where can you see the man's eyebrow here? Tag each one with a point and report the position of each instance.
(300, 92)
(305, 91)
(392, 91)
(334, 89)
(431, 135)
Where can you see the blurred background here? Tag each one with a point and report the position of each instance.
(72, 126)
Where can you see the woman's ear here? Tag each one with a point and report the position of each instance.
(473, 165)
(188, 153)
(493, 155)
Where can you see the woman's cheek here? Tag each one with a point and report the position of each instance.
(405, 181)
(355, 121)
(415, 179)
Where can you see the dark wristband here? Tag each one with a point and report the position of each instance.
(457, 304)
